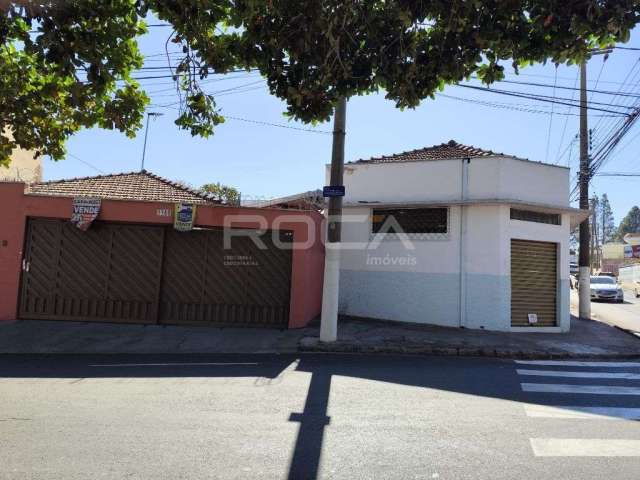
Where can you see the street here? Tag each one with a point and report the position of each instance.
(316, 416)
(624, 315)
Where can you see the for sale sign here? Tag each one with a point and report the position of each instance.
(185, 214)
(84, 212)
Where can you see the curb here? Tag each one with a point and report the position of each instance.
(453, 351)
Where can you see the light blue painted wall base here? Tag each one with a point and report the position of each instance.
(426, 298)
(488, 302)
(434, 299)
(564, 305)
(402, 296)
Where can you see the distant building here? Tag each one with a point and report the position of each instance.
(24, 167)
(612, 251)
(632, 238)
(616, 255)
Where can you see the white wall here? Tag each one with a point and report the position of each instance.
(489, 178)
(432, 256)
(534, 182)
(421, 281)
(411, 181)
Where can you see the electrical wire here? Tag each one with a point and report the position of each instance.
(562, 87)
(75, 157)
(519, 107)
(546, 154)
(541, 98)
(566, 121)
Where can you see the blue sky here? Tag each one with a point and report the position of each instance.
(263, 161)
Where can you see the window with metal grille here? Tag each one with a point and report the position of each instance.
(538, 217)
(410, 220)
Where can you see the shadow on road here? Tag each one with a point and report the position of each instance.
(471, 376)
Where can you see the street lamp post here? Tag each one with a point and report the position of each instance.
(146, 133)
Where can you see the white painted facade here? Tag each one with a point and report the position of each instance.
(457, 279)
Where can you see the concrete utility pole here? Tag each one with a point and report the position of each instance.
(329, 319)
(584, 176)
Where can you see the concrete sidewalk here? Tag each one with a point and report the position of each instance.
(39, 336)
(586, 339)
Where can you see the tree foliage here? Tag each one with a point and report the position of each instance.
(226, 194)
(630, 223)
(607, 223)
(67, 65)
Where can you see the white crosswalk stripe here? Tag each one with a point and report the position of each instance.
(583, 382)
(581, 447)
(591, 413)
(587, 389)
(555, 373)
(569, 363)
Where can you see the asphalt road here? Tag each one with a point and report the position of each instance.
(625, 315)
(316, 416)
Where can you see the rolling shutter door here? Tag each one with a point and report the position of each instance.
(534, 282)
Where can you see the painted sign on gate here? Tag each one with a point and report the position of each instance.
(185, 214)
(84, 212)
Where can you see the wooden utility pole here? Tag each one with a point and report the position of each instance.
(584, 261)
(329, 318)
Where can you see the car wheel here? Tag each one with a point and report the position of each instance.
(637, 293)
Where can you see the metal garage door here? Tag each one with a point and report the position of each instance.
(150, 274)
(202, 283)
(534, 282)
(108, 273)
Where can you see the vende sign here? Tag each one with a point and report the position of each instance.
(84, 212)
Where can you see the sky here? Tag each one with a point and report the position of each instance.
(265, 161)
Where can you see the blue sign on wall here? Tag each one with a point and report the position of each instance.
(333, 191)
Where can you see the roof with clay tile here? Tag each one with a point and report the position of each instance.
(140, 186)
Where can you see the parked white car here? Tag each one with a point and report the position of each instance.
(606, 288)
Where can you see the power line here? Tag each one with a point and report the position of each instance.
(566, 121)
(518, 107)
(540, 98)
(562, 87)
(546, 154)
(622, 85)
(618, 174)
(75, 157)
(279, 125)
(540, 95)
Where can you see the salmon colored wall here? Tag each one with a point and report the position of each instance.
(307, 263)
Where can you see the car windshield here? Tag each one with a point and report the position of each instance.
(604, 280)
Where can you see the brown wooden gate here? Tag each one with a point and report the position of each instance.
(534, 283)
(203, 283)
(109, 273)
(149, 274)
